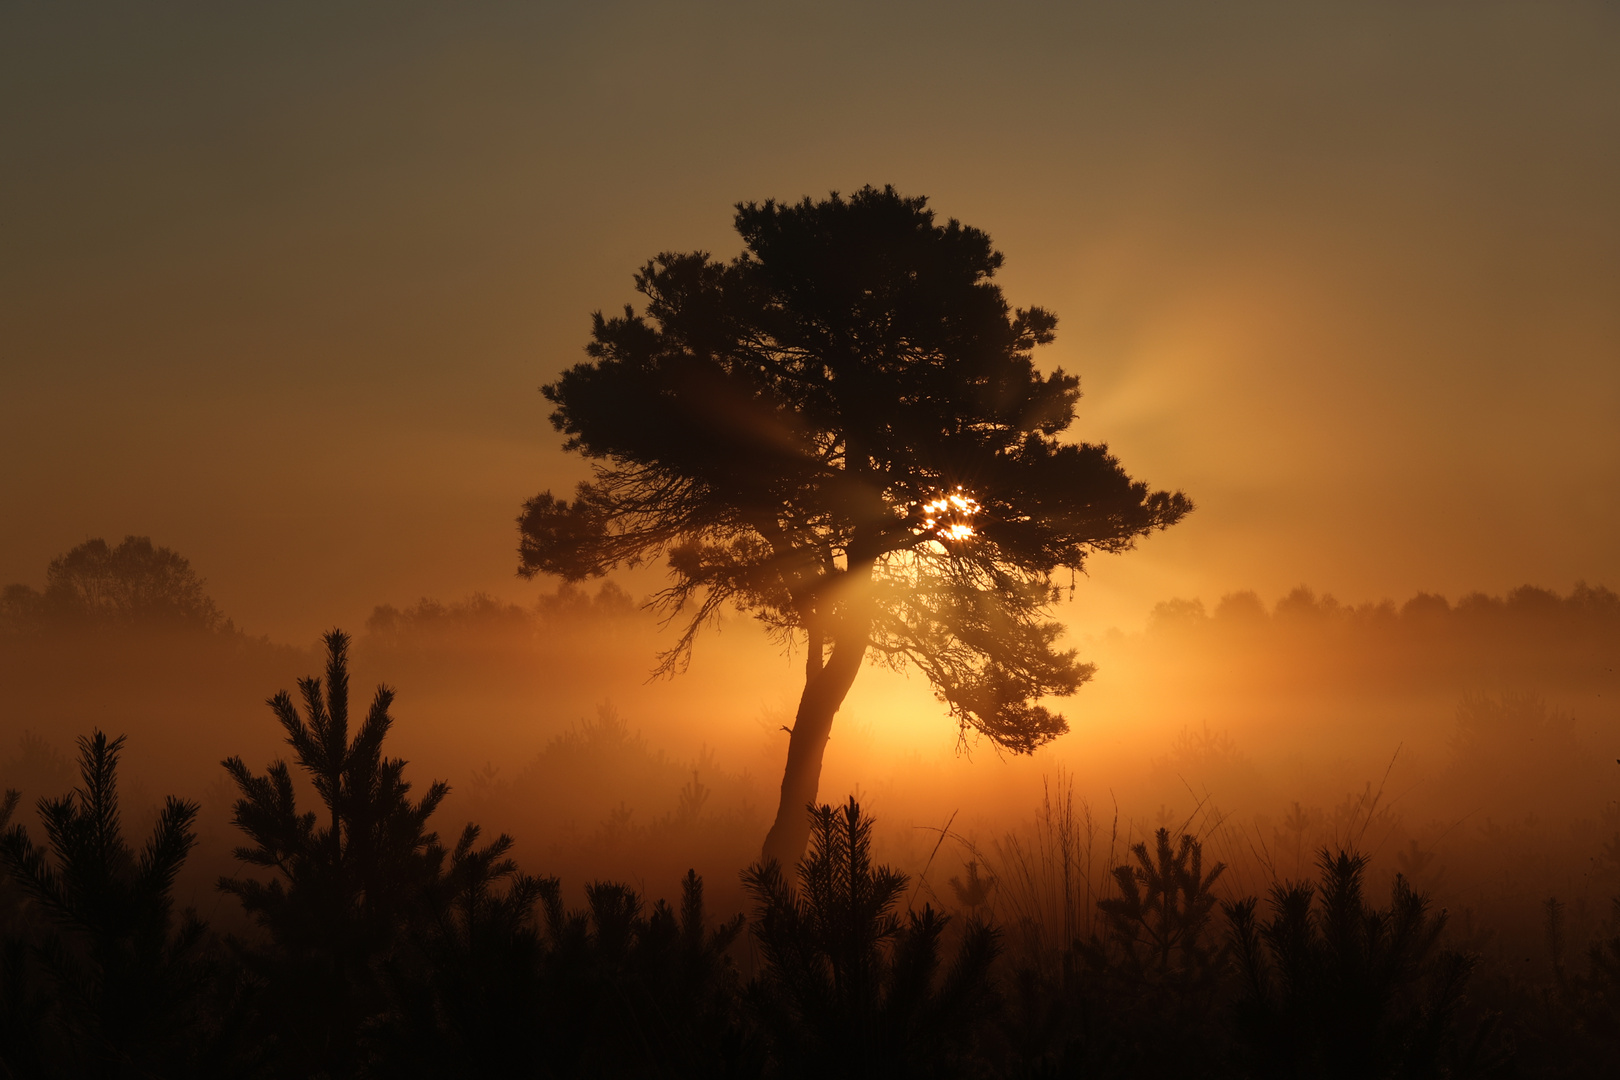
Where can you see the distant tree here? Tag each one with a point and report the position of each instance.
(842, 432)
(132, 585)
(475, 620)
(20, 607)
(124, 975)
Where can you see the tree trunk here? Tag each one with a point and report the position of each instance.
(823, 693)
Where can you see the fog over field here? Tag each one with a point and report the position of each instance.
(1470, 744)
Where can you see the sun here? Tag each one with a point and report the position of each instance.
(950, 516)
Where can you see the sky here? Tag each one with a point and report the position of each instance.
(279, 283)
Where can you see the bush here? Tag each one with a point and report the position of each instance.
(848, 988)
(1339, 988)
(108, 982)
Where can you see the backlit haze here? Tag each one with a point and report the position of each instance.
(279, 284)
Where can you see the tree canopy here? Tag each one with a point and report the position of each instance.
(843, 432)
(135, 584)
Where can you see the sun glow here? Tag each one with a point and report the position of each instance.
(950, 517)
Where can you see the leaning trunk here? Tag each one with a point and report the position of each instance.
(824, 692)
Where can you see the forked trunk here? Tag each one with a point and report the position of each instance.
(823, 693)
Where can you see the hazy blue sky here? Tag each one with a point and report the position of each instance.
(279, 281)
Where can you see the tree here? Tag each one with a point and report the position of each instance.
(1158, 920)
(133, 584)
(465, 995)
(849, 989)
(344, 884)
(1340, 988)
(125, 976)
(842, 432)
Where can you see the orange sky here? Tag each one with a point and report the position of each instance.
(278, 285)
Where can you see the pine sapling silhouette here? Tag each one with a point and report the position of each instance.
(1578, 1022)
(1158, 922)
(637, 993)
(848, 989)
(466, 990)
(842, 432)
(1599, 990)
(973, 890)
(1142, 996)
(123, 973)
(344, 883)
(24, 1008)
(1334, 987)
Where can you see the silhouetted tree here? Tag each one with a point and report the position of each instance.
(842, 432)
(24, 1011)
(132, 585)
(633, 993)
(1341, 988)
(848, 988)
(1143, 998)
(1597, 994)
(122, 977)
(344, 883)
(465, 992)
(1158, 920)
(1573, 1028)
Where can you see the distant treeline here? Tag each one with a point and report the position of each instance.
(136, 585)
(376, 948)
(481, 620)
(1586, 606)
(1531, 638)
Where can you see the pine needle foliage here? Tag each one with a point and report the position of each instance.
(121, 974)
(23, 1009)
(849, 989)
(1336, 987)
(465, 991)
(776, 428)
(1160, 918)
(1599, 990)
(637, 992)
(1575, 1024)
(1141, 998)
(344, 881)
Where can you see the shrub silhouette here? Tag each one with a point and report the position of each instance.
(848, 989)
(1334, 987)
(386, 954)
(1157, 923)
(117, 978)
(1598, 993)
(344, 885)
(1141, 998)
(464, 994)
(1574, 1025)
(628, 992)
(23, 1012)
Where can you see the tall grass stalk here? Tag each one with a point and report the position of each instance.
(1053, 874)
